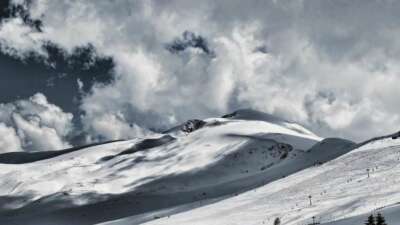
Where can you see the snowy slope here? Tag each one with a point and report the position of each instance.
(340, 189)
(391, 214)
(245, 168)
(125, 178)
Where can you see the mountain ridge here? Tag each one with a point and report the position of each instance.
(219, 159)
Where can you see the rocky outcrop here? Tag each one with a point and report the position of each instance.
(192, 125)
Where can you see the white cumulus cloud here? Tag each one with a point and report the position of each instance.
(9, 141)
(34, 124)
(18, 39)
(329, 65)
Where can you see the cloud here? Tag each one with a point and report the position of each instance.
(34, 124)
(19, 39)
(9, 141)
(112, 126)
(329, 65)
(190, 40)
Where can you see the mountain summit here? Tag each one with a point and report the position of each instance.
(246, 163)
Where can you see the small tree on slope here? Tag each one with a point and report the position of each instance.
(277, 221)
(370, 220)
(380, 220)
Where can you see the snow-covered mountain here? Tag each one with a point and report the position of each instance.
(247, 167)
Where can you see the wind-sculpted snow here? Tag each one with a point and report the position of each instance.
(249, 114)
(126, 178)
(143, 145)
(341, 191)
(29, 157)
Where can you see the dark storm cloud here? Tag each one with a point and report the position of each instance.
(262, 49)
(4, 9)
(190, 40)
(56, 76)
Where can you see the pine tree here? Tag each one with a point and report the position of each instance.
(277, 221)
(380, 220)
(370, 220)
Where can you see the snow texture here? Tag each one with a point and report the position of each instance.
(247, 167)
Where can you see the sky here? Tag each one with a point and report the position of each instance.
(76, 72)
